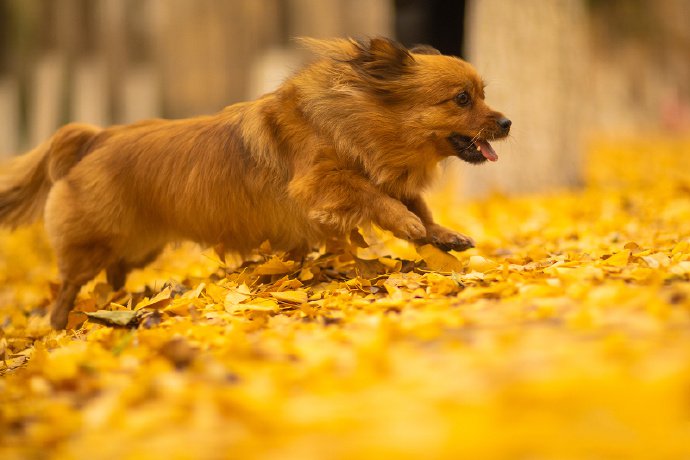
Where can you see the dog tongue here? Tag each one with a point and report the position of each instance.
(488, 151)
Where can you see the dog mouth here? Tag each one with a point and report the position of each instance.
(472, 150)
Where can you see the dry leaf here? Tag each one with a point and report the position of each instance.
(275, 266)
(619, 259)
(261, 304)
(158, 302)
(438, 260)
(296, 297)
(236, 296)
(113, 318)
(481, 264)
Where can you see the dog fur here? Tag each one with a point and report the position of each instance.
(352, 139)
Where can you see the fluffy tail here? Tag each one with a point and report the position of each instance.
(26, 181)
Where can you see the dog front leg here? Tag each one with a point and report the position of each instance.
(340, 200)
(438, 235)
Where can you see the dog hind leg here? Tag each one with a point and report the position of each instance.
(116, 273)
(77, 265)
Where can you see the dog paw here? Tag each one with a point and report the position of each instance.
(448, 240)
(409, 227)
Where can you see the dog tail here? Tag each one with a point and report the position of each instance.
(26, 180)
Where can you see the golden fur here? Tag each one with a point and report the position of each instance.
(351, 139)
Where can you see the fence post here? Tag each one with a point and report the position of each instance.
(46, 93)
(90, 92)
(9, 116)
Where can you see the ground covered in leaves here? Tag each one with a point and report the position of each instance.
(564, 335)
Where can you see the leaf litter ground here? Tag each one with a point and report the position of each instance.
(565, 334)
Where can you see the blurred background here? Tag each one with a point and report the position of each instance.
(565, 71)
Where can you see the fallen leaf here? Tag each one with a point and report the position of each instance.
(296, 297)
(113, 318)
(158, 302)
(275, 266)
(481, 264)
(438, 260)
(619, 259)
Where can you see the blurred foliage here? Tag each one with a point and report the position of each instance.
(563, 335)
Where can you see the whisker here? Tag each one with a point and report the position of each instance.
(477, 135)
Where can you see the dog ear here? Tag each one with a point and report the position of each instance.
(382, 59)
(424, 49)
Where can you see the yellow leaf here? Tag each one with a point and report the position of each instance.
(657, 260)
(236, 296)
(438, 260)
(306, 274)
(261, 304)
(619, 259)
(181, 307)
(682, 268)
(158, 302)
(297, 297)
(195, 293)
(481, 264)
(391, 264)
(681, 248)
(265, 247)
(287, 284)
(275, 266)
(217, 293)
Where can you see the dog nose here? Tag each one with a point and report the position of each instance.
(504, 123)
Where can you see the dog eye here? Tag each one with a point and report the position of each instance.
(462, 99)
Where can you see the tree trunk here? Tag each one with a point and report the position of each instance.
(533, 56)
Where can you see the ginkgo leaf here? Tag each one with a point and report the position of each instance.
(481, 264)
(236, 296)
(275, 266)
(113, 318)
(159, 301)
(439, 260)
(619, 259)
(261, 304)
(297, 297)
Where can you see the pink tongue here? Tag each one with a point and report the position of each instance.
(488, 151)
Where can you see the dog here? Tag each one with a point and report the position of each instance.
(352, 139)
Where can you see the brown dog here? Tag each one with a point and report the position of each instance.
(352, 139)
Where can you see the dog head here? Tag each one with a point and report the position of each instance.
(435, 99)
